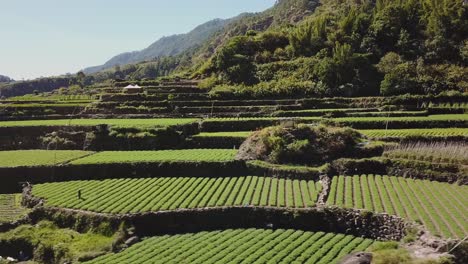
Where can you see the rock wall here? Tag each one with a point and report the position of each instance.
(327, 219)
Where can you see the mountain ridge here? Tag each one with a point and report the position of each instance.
(166, 46)
(4, 78)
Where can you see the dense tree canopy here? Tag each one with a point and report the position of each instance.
(357, 48)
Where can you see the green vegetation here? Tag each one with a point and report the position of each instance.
(454, 153)
(247, 245)
(240, 134)
(10, 208)
(424, 132)
(371, 133)
(160, 122)
(462, 117)
(54, 245)
(305, 70)
(355, 120)
(56, 98)
(122, 196)
(40, 105)
(350, 49)
(303, 144)
(441, 207)
(188, 155)
(37, 158)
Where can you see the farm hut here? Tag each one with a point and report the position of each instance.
(132, 89)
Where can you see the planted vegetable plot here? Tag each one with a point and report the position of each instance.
(187, 155)
(432, 132)
(157, 194)
(36, 158)
(241, 245)
(441, 207)
(239, 134)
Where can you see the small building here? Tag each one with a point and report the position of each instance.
(132, 89)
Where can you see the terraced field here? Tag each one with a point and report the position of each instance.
(160, 122)
(448, 117)
(183, 155)
(10, 208)
(241, 246)
(454, 117)
(65, 104)
(35, 158)
(426, 132)
(159, 194)
(239, 134)
(441, 207)
(372, 133)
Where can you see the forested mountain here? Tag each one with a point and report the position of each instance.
(348, 48)
(284, 13)
(166, 46)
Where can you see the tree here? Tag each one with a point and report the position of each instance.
(118, 74)
(235, 61)
(80, 78)
(310, 38)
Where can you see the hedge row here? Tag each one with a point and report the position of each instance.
(13, 177)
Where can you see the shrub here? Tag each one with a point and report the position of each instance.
(300, 145)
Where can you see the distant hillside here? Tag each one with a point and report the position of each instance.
(166, 46)
(38, 85)
(284, 12)
(4, 78)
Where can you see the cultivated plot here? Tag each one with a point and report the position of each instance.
(241, 246)
(121, 196)
(441, 207)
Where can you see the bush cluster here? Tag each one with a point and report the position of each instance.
(303, 144)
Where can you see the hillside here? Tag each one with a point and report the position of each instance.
(345, 48)
(4, 78)
(283, 13)
(166, 46)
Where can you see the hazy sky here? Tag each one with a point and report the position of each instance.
(52, 37)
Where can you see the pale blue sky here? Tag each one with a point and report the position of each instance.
(52, 37)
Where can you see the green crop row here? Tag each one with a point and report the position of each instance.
(441, 207)
(452, 117)
(36, 158)
(241, 245)
(156, 194)
(238, 134)
(188, 155)
(160, 122)
(424, 132)
(38, 105)
(371, 133)
(32, 98)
